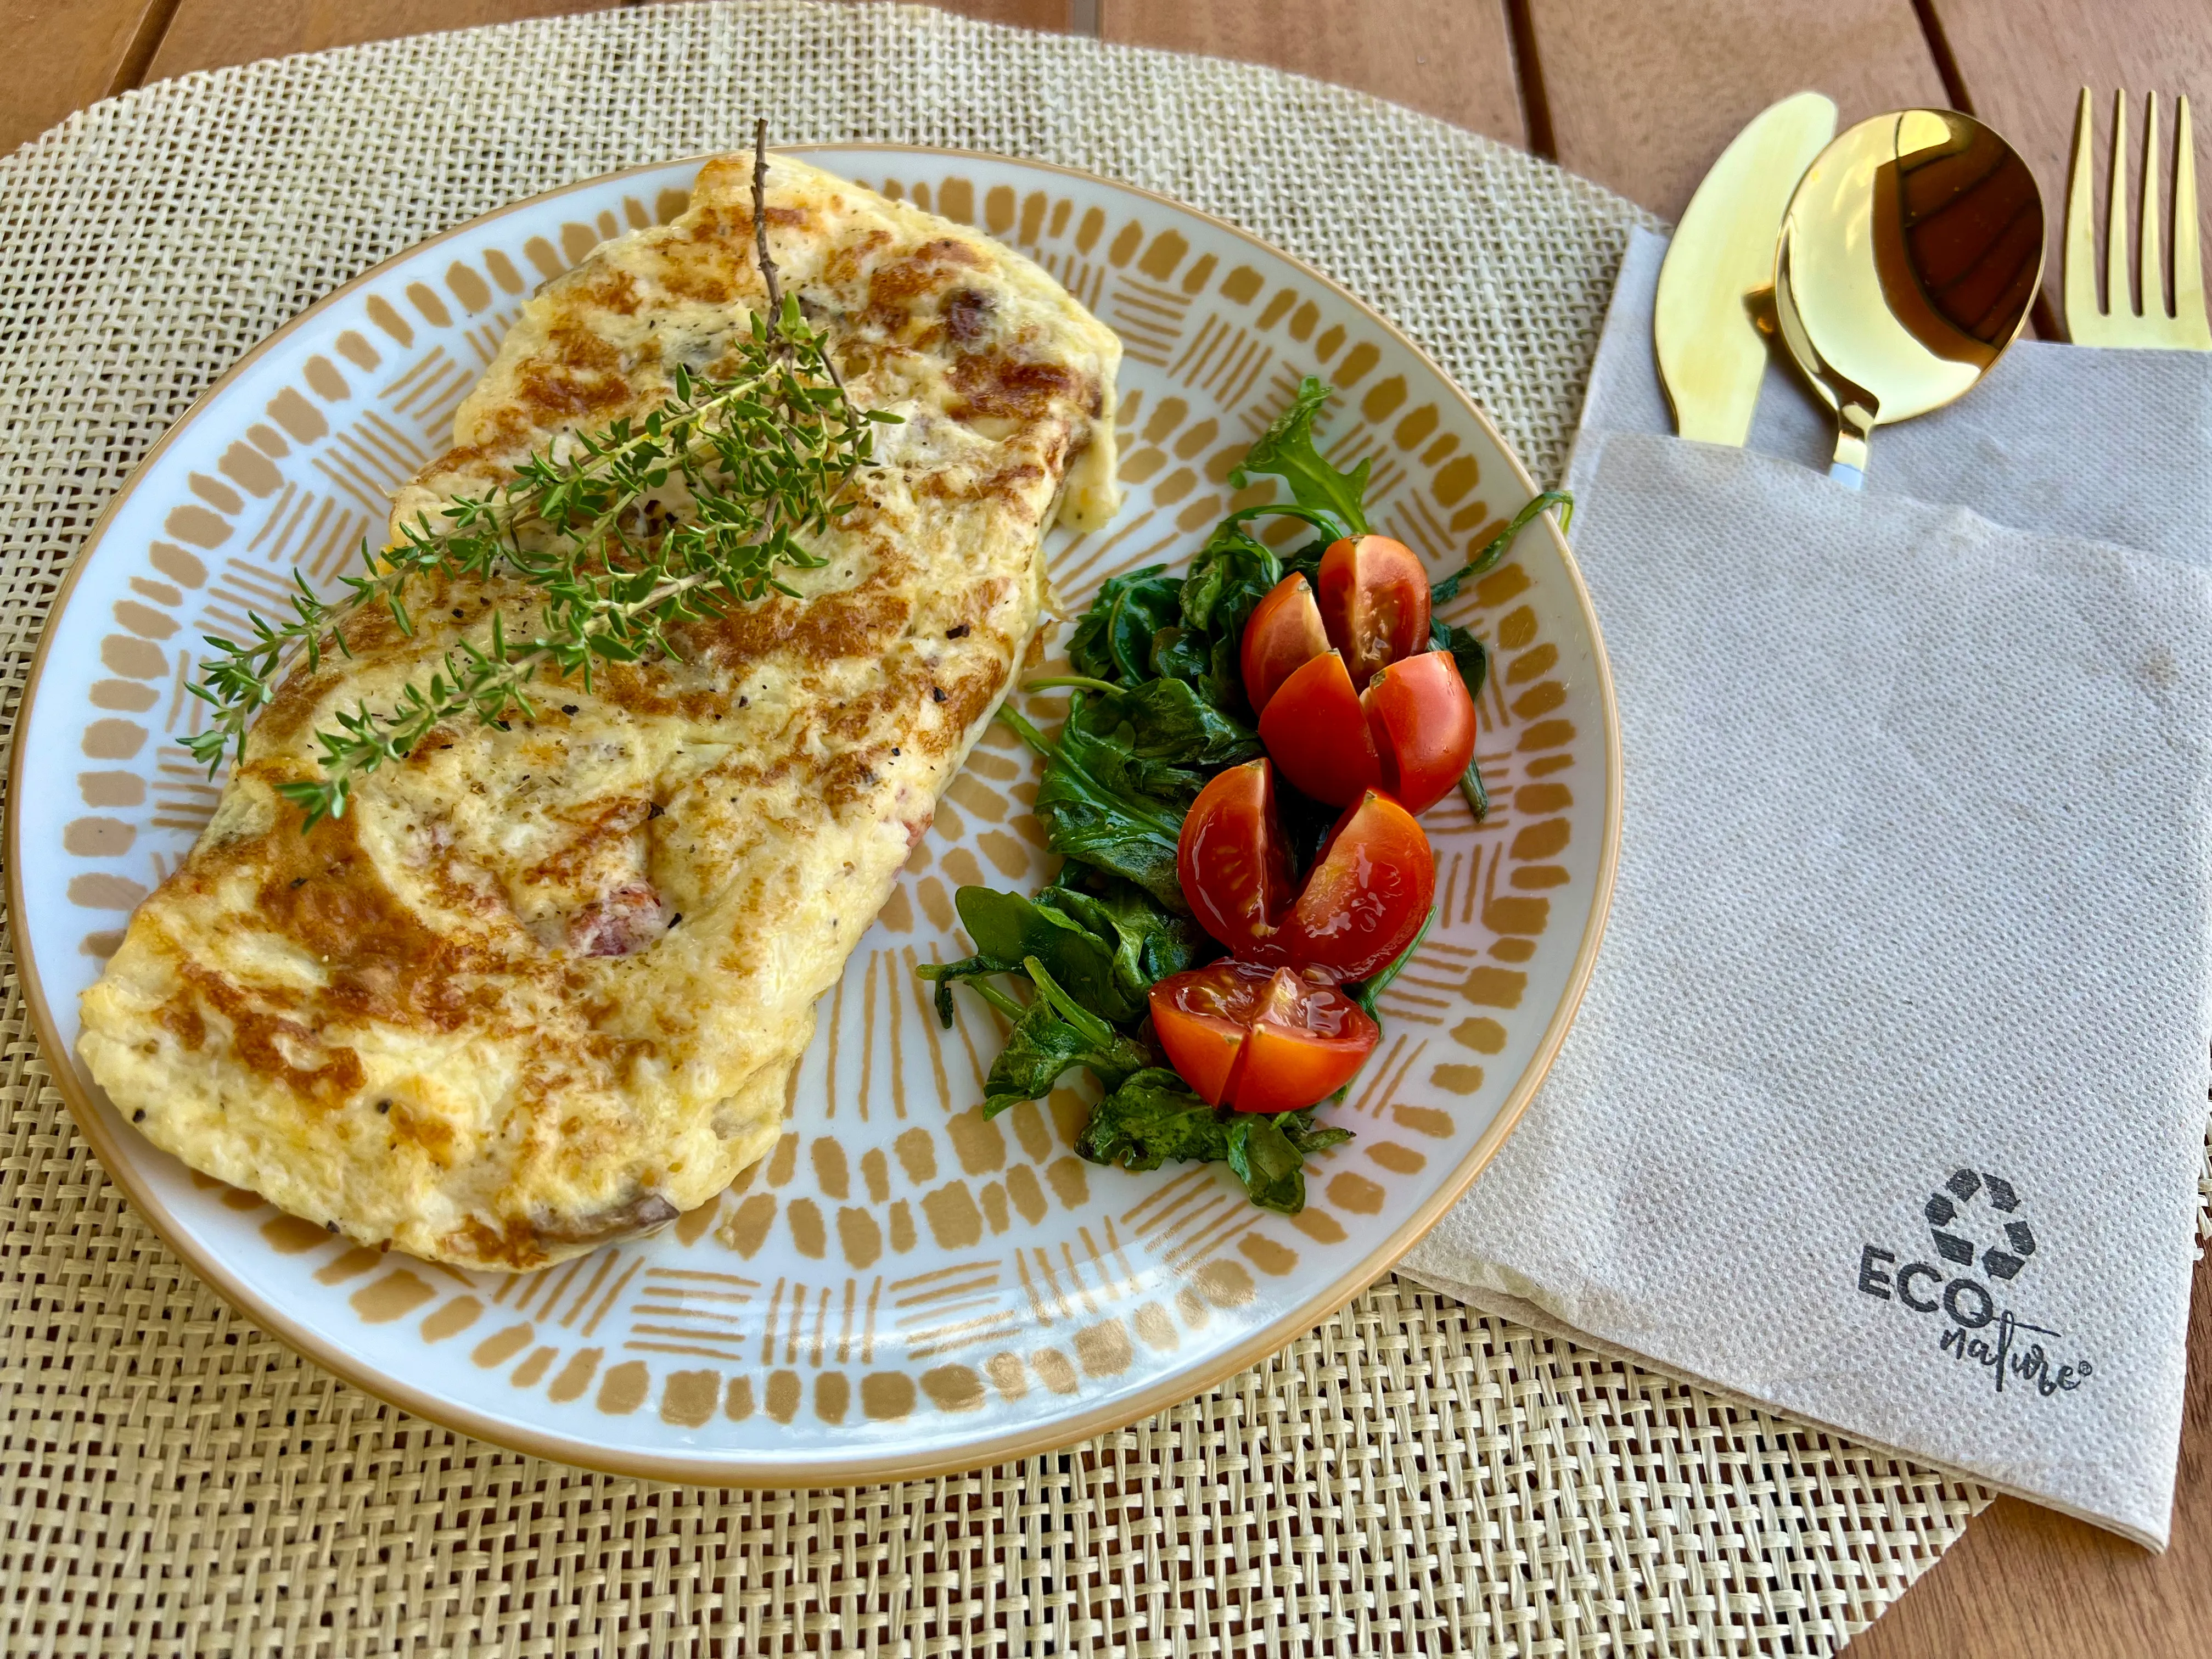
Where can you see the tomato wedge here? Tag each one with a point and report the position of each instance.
(1422, 722)
(1411, 732)
(1319, 734)
(1235, 871)
(1367, 895)
(1362, 901)
(1374, 603)
(1261, 1039)
(1283, 634)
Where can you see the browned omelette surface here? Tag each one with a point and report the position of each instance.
(546, 986)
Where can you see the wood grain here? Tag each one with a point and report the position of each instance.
(2023, 63)
(1643, 96)
(216, 33)
(2025, 1581)
(1449, 58)
(64, 54)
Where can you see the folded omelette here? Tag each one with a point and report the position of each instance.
(544, 985)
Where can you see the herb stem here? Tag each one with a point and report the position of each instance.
(1494, 549)
(1075, 682)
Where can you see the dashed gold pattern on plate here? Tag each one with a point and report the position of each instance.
(897, 1254)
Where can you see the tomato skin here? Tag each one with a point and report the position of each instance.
(1367, 895)
(1290, 1038)
(1374, 603)
(1234, 868)
(1283, 634)
(1422, 725)
(1316, 730)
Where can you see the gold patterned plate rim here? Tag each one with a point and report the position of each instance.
(1175, 1383)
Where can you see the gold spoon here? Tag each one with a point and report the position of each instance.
(1908, 260)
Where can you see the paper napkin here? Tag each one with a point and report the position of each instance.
(1886, 1104)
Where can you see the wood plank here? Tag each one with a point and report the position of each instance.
(64, 54)
(2023, 63)
(1055, 16)
(2025, 1581)
(1643, 96)
(1449, 58)
(212, 34)
(208, 34)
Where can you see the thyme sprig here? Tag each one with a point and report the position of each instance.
(622, 532)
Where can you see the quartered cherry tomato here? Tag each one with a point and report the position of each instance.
(1374, 603)
(1318, 733)
(1411, 732)
(1422, 721)
(1367, 895)
(1261, 1039)
(1283, 634)
(1235, 873)
(1360, 907)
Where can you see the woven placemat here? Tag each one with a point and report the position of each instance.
(1411, 1477)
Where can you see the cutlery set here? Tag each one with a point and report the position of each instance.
(1898, 260)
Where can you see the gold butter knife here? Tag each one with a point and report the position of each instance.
(1712, 353)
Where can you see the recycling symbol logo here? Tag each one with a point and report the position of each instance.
(1974, 1217)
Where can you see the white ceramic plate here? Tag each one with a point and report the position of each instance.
(900, 1287)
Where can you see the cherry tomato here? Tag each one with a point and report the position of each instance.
(1282, 634)
(1362, 901)
(1374, 603)
(1235, 871)
(1422, 722)
(1367, 894)
(1261, 1039)
(1317, 733)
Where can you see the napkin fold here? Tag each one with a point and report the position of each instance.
(1886, 1103)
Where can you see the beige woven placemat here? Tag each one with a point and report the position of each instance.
(1409, 1478)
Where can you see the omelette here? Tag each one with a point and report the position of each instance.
(544, 984)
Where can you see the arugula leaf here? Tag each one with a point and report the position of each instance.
(1469, 653)
(1008, 928)
(1287, 451)
(1494, 549)
(1232, 573)
(1176, 739)
(1099, 807)
(1113, 640)
(1053, 1035)
(1153, 1116)
(1149, 942)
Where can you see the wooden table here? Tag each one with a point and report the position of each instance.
(1640, 95)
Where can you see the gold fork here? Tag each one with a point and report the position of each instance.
(2118, 322)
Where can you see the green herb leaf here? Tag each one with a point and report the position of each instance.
(765, 456)
(1054, 1035)
(1150, 942)
(1494, 549)
(1287, 451)
(1153, 1117)
(1008, 929)
(1114, 641)
(1097, 806)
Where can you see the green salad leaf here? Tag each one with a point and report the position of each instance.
(1113, 640)
(1148, 941)
(1008, 929)
(1051, 1038)
(1158, 711)
(1100, 805)
(1153, 1117)
(1287, 451)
